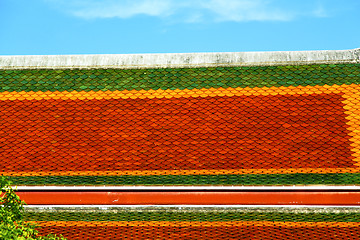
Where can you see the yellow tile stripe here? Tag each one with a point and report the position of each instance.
(142, 94)
(194, 224)
(352, 109)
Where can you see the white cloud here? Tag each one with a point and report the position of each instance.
(320, 12)
(185, 10)
(245, 10)
(123, 9)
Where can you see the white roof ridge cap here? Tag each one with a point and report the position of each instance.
(179, 60)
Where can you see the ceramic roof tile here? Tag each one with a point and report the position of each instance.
(283, 124)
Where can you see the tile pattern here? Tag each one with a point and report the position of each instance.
(272, 125)
(167, 223)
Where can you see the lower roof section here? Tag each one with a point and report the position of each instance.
(198, 222)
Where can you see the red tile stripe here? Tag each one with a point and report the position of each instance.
(190, 198)
(239, 132)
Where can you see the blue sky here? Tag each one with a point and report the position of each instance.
(43, 27)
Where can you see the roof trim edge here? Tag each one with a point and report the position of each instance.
(180, 60)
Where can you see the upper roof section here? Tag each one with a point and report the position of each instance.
(181, 60)
(203, 119)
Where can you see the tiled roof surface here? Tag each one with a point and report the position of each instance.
(256, 125)
(197, 223)
(273, 119)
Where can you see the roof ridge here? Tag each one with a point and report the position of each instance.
(180, 60)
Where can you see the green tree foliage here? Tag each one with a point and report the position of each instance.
(12, 225)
